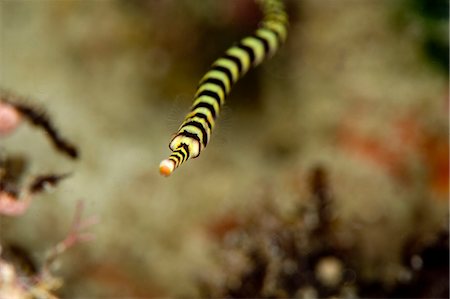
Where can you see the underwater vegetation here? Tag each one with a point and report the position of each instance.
(20, 275)
(15, 199)
(326, 176)
(265, 253)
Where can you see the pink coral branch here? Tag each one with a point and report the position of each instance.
(43, 284)
(75, 236)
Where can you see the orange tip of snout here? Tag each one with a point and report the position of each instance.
(166, 167)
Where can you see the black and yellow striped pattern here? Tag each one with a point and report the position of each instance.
(195, 132)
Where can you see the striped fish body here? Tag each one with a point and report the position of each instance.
(195, 132)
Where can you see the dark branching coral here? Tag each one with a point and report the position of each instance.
(267, 256)
(38, 117)
(20, 275)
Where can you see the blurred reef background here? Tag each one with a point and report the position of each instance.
(327, 175)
